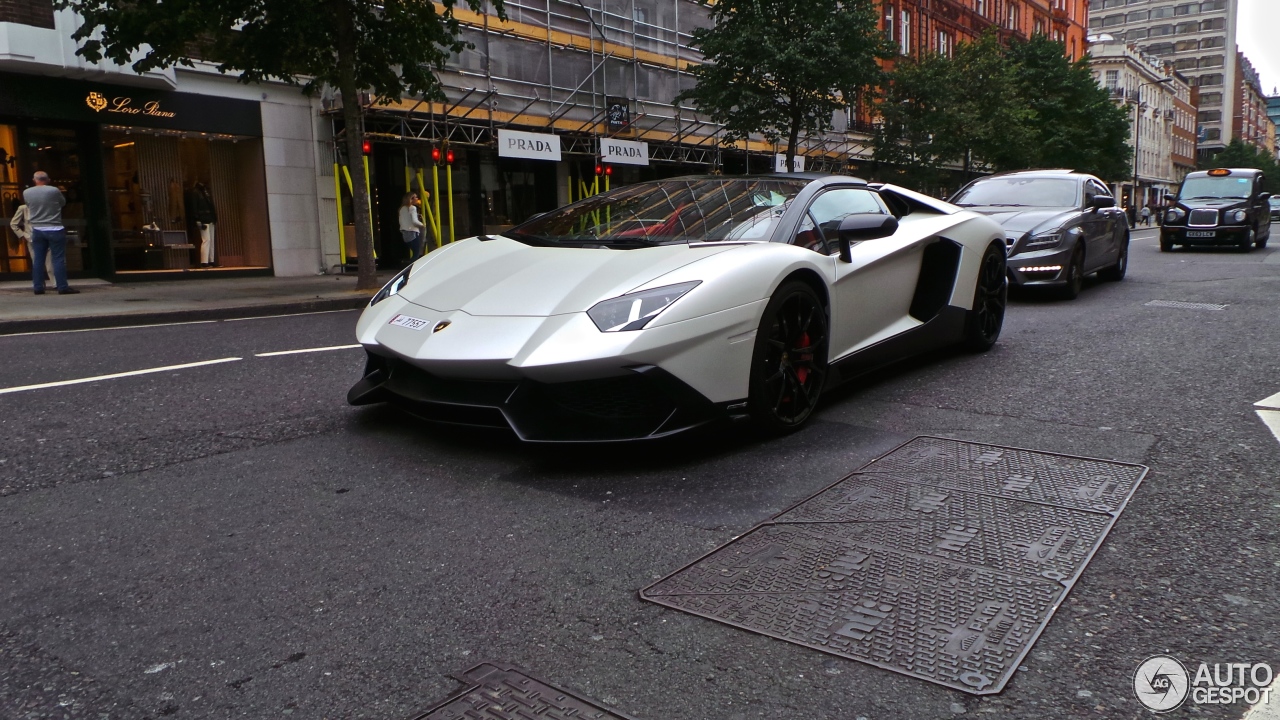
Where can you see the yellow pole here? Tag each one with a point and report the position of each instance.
(608, 209)
(570, 181)
(448, 174)
(428, 218)
(342, 230)
(435, 198)
(368, 191)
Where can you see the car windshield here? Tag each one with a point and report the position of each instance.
(666, 212)
(1210, 188)
(1275, 202)
(1018, 192)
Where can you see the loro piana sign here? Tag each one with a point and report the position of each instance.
(530, 146)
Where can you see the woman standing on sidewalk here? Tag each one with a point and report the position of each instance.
(411, 225)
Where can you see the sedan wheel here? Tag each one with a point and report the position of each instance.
(1116, 272)
(984, 321)
(1075, 275)
(1247, 244)
(789, 363)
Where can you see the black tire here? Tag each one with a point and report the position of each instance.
(983, 323)
(789, 362)
(1246, 245)
(1075, 276)
(1166, 245)
(1262, 242)
(1116, 272)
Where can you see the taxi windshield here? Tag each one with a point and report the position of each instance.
(1214, 188)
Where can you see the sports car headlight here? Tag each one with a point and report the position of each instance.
(1174, 215)
(634, 310)
(392, 288)
(1043, 241)
(1237, 216)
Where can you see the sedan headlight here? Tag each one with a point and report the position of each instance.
(1043, 241)
(392, 288)
(634, 310)
(1237, 216)
(1175, 215)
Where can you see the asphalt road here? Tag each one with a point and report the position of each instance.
(232, 540)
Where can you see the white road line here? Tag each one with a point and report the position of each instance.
(307, 350)
(1272, 402)
(121, 327)
(113, 376)
(268, 317)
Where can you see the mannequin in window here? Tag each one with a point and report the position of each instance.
(201, 211)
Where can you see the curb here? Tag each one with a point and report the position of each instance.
(97, 322)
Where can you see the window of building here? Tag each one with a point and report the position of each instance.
(1213, 42)
(1186, 28)
(1185, 64)
(1136, 34)
(1214, 80)
(1161, 12)
(1113, 79)
(980, 6)
(1161, 30)
(1214, 24)
(1212, 61)
(1159, 49)
(1108, 21)
(889, 13)
(1211, 99)
(1187, 9)
(35, 13)
(1013, 17)
(905, 41)
(946, 45)
(1210, 116)
(1136, 16)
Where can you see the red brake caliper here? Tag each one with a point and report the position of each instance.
(802, 373)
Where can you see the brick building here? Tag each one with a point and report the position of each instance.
(938, 25)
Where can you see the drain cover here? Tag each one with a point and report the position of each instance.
(497, 692)
(943, 560)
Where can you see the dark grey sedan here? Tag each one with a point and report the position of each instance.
(1059, 226)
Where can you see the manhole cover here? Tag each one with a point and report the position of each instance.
(496, 692)
(1185, 305)
(943, 560)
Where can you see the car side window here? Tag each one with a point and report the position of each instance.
(1090, 192)
(809, 237)
(833, 206)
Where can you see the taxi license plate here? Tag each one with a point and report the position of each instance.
(1201, 233)
(408, 321)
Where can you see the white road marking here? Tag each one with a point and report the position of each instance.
(113, 376)
(1269, 410)
(1272, 402)
(307, 350)
(268, 317)
(121, 327)
(1268, 710)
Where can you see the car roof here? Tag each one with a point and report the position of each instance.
(1044, 172)
(1233, 171)
(808, 177)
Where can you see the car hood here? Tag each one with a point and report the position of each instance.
(502, 277)
(1215, 203)
(1020, 220)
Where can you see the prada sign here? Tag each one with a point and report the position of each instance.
(527, 145)
(624, 152)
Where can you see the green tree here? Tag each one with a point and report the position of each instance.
(1073, 122)
(990, 120)
(389, 47)
(1239, 154)
(783, 67)
(918, 120)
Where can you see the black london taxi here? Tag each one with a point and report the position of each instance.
(1223, 206)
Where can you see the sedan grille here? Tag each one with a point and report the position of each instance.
(1203, 218)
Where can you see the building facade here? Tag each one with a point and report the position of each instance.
(1273, 112)
(1162, 134)
(136, 153)
(938, 25)
(1251, 123)
(1198, 37)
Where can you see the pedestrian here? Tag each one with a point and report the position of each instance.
(1146, 215)
(1132, 213)
(48, 234)
(22, 228)
(411, 225)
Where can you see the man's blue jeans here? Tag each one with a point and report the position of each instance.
(44, 242)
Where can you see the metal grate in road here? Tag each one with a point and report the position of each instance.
(498, 692)
(943, 560)
(1185, 305)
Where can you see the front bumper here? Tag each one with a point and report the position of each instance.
(1040, 268)
(1220, 235)
(642, 402)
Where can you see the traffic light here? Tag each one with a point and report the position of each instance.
(448, 157)
(435, 155)
(599, 169)
(366, 147)
(603, 169)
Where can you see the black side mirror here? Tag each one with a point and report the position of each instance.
(864, 226)
(1102, 202)
(1264, 197)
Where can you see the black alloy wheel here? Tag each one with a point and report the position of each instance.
(1116, 272)
(789, 363)
(983, 323)
(1247, 244)
(1166, 245)
(1075, 275)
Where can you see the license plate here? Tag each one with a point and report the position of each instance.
(1201, 233)
(408, 321)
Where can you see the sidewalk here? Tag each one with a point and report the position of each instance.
(104, 304)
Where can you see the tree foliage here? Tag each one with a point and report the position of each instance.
(1239, 154)
(1003, 107)
(783, 67)
(389, 47)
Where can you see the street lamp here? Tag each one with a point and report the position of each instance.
(1137, 139)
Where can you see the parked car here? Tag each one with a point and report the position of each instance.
(1059, 225)
(665, 305)
(1223, 206)
(1275, 208)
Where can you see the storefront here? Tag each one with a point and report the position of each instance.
(158, 184)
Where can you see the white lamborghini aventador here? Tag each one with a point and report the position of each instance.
(663, 306)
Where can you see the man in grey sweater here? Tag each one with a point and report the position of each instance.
(48, 234)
